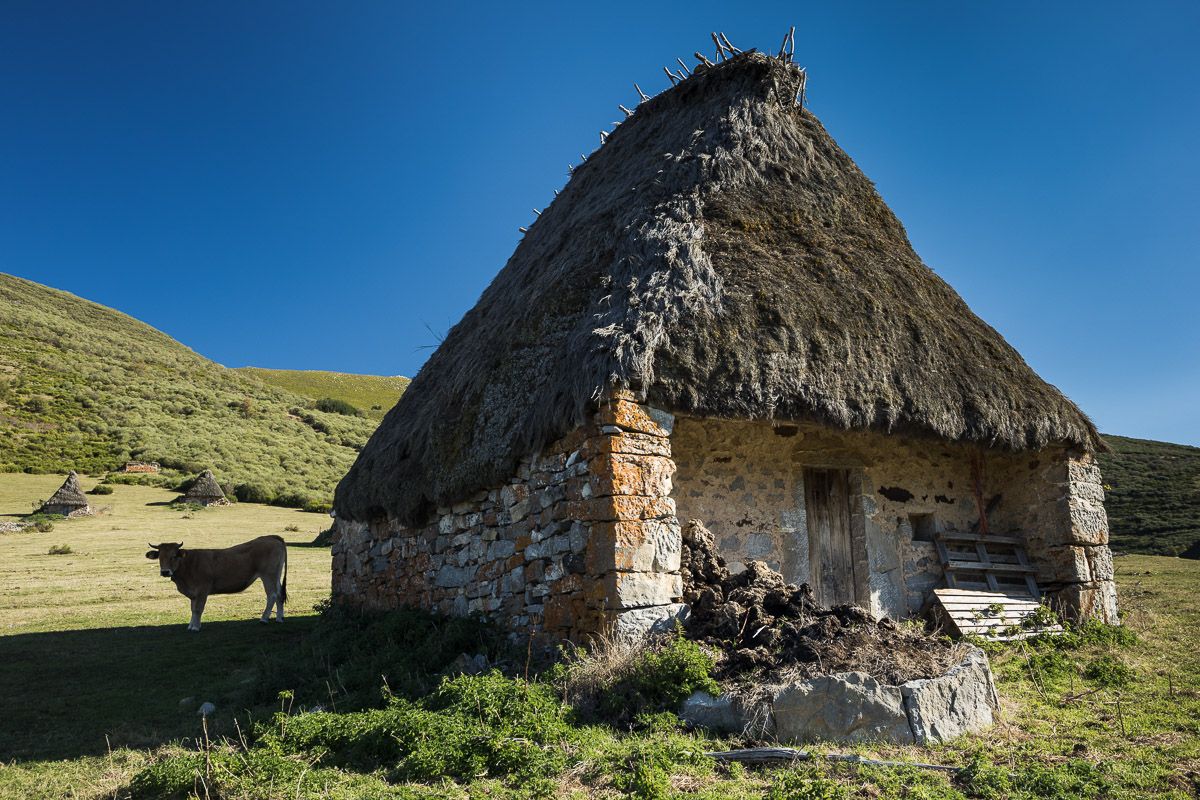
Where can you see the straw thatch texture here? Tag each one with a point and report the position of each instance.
(68, 495)
(719, 255)
(205, 487)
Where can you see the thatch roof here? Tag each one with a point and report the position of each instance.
(720, 255)
(69, 494)
(205, 487)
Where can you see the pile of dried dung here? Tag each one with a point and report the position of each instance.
(763, 627)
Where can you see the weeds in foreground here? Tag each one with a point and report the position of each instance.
(60, 550)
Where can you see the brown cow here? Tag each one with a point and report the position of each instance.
(199, 573)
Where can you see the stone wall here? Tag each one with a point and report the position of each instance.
(1055, 498)
(581, 540)
(586, 536)
(744, 480)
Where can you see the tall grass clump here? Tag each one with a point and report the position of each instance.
(618, 679)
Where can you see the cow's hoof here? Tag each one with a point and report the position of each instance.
(279, 619)
(263, 620)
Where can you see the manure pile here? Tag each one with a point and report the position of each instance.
(766, 630)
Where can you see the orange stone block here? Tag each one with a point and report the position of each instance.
(649, 476)
(629, 416)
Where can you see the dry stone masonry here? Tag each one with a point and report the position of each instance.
(586, 536)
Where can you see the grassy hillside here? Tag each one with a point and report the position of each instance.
(373, 395)
(1153, 496)
(85, 387)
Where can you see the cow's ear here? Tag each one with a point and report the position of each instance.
(152, 554)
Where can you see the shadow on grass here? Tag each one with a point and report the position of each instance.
(62, 692)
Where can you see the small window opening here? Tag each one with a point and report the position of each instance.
(922, 527)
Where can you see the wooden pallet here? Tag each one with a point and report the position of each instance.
(990, 615)
(993, 563)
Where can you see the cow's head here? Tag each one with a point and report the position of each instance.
(170, 556)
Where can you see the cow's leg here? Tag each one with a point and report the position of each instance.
(271, 587)
(197, 611)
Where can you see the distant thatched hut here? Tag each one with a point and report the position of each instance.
(720, 319)
(205, 491)
(69, 500)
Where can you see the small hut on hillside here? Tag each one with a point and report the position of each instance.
(205, 491)
(69, 500)
(720, 319)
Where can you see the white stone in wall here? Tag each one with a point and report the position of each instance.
(635, 623)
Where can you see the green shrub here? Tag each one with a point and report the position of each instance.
(174, 777)
(317, 507)
(661, 679)
(352, 650)
(290, 500)
(470, 726)
(1050, 665)
(332, 405)
(648, 781)
(983, 779)
(43, 526)
(1109, 671)
(101, 488)
(60, 550)
(805, 785)
(253, 493)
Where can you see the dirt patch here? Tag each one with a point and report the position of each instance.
(767, 630)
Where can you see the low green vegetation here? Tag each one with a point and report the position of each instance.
(1153, 496)
(87, 388)
(368, 395)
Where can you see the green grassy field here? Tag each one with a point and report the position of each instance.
(85, 387)
(93, 647)
(373, 395)
(94, 655)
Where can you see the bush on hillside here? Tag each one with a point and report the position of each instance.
(253, 493)
(332, 405)
(101, 488)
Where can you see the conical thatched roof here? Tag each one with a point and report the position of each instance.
(719, 255)
(69, 494)
(205, 487)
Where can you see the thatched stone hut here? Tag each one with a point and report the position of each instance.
(205, 491)
(718, 319)
(69, 500)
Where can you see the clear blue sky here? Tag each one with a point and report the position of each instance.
(309, 185)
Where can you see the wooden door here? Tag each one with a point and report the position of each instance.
(831, 555)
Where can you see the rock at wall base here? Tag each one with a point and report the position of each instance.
(637, 622)
(961, 701)
(846, 707)
(854, 707)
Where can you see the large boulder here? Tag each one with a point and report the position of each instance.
(854, 707)
(847, 707)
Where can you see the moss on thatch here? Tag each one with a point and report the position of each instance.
(205, 487)
(720, 255)
(69, 495)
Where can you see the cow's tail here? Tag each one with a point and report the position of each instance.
(283, 583)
